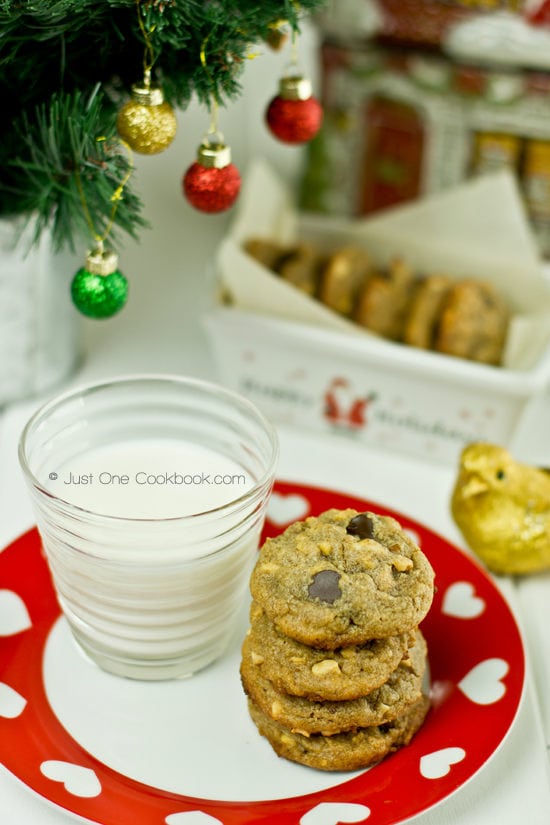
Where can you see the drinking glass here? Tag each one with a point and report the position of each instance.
(150, 588)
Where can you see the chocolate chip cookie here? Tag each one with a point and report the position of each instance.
(473, 323)
(343, 578)
(344, 673)
(424, 310)
(301, 267)
(382, 304)
(343, 751)
(343, 276)
(266, 252)
(392, 699)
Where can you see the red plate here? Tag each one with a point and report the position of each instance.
(477, 675)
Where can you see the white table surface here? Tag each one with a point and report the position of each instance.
(160, 331)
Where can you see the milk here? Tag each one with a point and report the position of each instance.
(149, 479)
(162, 582)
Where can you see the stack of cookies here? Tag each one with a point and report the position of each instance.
(464, 317)
(334, 662)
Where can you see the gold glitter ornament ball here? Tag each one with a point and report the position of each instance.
(147, 123)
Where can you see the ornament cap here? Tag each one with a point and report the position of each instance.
(101, 262)
(214, 155)
(295, 87)
(147, 95)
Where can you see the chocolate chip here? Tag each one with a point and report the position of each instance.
(324, 586)
(361, 526)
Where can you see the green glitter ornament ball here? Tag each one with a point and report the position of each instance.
(99, 289)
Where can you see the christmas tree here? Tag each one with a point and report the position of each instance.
(67, 67)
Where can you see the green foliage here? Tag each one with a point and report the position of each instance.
(71, 164)
(55, 54)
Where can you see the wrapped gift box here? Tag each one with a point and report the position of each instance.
(309, 367)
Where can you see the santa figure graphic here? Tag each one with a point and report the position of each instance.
(343, 408)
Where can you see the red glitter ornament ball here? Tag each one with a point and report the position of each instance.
(294, 115)
(212, 183)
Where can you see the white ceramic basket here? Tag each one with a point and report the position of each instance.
(309, 367)
(373, 391)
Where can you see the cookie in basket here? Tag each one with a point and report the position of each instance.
(302, 268)
(265, 251)
(392, 699)
(343, 276)
(344, 751)
(473, 323)
(384, 300)
(343, 578)
(344, 673)
(423, 313)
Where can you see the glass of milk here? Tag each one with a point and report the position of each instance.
(150, 495)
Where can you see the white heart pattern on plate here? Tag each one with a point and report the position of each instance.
(482, 684)
(438, 764)
(12, 704)
(283, 509)
(192, 818)
(460, 601)
(331, 813)
(77, 780)
(14, 616)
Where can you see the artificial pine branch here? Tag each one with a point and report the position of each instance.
(53, 55)
(72, 165)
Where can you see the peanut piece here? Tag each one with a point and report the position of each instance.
(325, 667)
(257, 658)
(402, 563)
(384, 578)
(269, 567)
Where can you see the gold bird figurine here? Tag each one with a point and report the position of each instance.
(502, 508)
